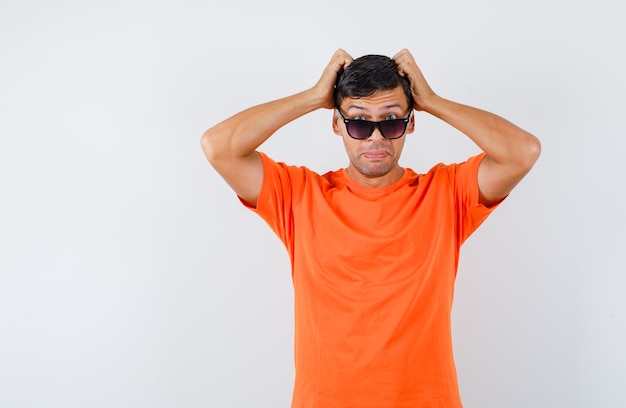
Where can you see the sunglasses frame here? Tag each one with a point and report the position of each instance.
(374, 125)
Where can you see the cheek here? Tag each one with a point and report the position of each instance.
(398, 145)
(351, 146)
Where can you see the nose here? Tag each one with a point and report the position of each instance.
(376, 135)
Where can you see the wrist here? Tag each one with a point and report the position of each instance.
(429, 104)
(323, 95)
(308, 101)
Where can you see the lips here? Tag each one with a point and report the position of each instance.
(375, 155)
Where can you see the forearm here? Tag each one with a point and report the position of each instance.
(241, 134)
(504, 142)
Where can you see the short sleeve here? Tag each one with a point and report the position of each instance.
(280, 192)
(471, 213)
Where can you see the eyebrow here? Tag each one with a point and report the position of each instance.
(366, 110)
(359, 107)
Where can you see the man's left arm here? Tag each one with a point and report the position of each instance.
(511, 151)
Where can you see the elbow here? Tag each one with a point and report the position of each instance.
(528, 154)
(522, 155)
(533, 150)
(210, 145)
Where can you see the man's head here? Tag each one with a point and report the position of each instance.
(367, 75)
(371, 90)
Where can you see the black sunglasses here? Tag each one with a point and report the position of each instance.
(363, 129)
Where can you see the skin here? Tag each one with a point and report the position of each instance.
(230, 146)
(374, 161)
(511, 151)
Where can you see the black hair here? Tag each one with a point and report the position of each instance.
(368, 74)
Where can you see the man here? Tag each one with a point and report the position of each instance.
(374, 247)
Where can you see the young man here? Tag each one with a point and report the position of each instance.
(374, 247)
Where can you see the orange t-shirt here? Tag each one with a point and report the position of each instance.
(373, 273)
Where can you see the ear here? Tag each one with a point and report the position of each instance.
(336, 124)
(411, 125)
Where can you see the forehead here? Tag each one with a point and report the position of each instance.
(393, 100)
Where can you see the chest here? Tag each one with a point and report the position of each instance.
(392, 238)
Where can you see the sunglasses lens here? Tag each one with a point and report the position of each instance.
(392, 129)
(363, 129)
(360, 129)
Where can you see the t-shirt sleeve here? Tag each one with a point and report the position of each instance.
(471, 213)
(280, 192)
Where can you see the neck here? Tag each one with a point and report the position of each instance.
(375, 181)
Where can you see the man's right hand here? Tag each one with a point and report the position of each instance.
(326, 84)
(230, 146)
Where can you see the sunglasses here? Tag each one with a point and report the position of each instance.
(363, 129)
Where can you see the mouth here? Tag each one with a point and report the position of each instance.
(375, 155)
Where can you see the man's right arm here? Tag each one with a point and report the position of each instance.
(230, 146)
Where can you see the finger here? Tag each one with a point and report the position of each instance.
(343, 58)
(400, 55)
(402, 68)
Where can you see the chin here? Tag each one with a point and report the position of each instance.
(375, 171)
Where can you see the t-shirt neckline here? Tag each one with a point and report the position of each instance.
(375, 191)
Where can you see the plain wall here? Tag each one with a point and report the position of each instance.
(130, 275)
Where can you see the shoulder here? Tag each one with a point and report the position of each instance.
(295, 176)
(271, 164)
(464, 168)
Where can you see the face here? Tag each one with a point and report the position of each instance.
(374, 161)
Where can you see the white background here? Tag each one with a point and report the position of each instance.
(130, 275)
